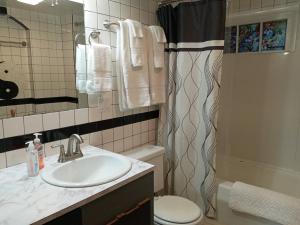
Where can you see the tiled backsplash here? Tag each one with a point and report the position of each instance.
(117, 139)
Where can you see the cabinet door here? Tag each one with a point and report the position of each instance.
(139, 215)
(104, 210)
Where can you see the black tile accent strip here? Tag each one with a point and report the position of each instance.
(17, 142)
(24, 101)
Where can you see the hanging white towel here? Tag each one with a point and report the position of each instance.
(157, 76)
(99, 68)
(133, 82)
(159, 40)
(136, 40)
(136, 28)
(81, 68)
(265, 203)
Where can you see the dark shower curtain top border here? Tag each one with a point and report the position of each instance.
(194, 26)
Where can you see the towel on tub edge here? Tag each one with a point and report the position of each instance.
(265, 203)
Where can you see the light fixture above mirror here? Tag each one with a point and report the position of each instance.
(31, 2)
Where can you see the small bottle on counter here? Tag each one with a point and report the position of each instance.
(39, 147)
(32, 160)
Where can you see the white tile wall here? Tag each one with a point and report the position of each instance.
(67, 118)
(33, 123)
(51, 121)
(13, 127)
(244, 5)
(118, 139)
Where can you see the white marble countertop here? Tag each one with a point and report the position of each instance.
(30, 200)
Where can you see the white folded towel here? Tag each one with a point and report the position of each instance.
(99, 59)
(136, 28)
(265, 203)
(81, 68)
(137, 43)
(159, 40)
(133, 82)
(157, 76)
(99, 68)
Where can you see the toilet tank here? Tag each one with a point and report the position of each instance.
(154, 155)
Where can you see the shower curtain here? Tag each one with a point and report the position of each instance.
(188, 122)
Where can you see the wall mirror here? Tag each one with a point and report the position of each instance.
(38, 39)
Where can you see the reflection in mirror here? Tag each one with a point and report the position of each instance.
(37, 52)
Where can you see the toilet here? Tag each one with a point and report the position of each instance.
(168, 210)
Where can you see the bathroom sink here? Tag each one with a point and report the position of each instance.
(90, 170)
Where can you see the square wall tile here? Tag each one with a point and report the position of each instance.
(67, 118)
(103, 6)
(96, 139)
(1, 129)
(16, 157)
(108, 146)
(2, 160)
(136, 128)
(118, 133)
(95, 114)
(81, 116)
(144, 138)
(136, 140)
(118, 146)
(145, 126)
(13, 126)
(90, 5)
(33, 123)
(51, 121)
(127, 130)
(128, 143)
(114, 9)
(90, 19)
(107, 136)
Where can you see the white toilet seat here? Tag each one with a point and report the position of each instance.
(175, 210)
(158, 221)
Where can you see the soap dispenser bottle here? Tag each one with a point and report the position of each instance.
(39, 147)
(32, 160)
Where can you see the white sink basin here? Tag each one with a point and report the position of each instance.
(87, 171)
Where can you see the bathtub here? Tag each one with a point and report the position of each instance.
(259, 174)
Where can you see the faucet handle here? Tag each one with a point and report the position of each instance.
(62, 153)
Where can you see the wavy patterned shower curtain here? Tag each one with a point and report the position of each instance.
(188, 122)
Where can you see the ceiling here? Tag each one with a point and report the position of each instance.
(64, 7)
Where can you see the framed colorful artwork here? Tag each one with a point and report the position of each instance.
(274, 35)
(249, 37)
(230, 39)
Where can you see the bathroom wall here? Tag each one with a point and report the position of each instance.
(260, 110)
(118, 139)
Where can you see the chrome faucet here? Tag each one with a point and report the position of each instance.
(71, 154)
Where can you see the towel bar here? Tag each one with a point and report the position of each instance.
(107, 24)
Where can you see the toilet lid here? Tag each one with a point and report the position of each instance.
(176, 209)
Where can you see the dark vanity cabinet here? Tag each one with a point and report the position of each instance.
(131, 204)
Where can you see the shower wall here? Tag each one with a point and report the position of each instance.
(260, 103)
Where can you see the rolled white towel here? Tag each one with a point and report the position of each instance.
(265, 203)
